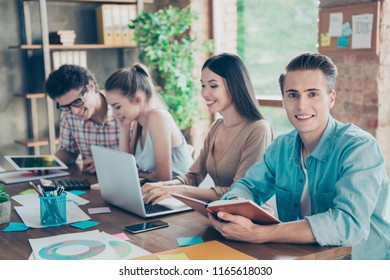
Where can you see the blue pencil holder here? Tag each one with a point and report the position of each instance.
(53, 210)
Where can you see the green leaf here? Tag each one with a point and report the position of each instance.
(4, 196)
(167, 49)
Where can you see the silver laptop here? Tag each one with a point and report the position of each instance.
(119, 184)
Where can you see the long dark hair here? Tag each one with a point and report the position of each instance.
(238, 83)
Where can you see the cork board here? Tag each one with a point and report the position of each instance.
(359, 29)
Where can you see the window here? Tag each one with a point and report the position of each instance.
(270, 33)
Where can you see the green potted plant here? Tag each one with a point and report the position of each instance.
(5, 205)
(167, 49)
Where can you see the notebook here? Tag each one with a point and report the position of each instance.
(119, 184)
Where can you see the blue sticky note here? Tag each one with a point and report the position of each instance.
(187, 241)
(347, 30)
(342, 42)
(15, 227)
(85, 224)
(78, 192)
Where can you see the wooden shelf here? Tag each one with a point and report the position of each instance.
(32, 143)
(37, 95)
(270, 100)
(43, 45)
(72, 47)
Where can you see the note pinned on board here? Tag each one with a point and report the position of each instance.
(342, 42)
(362, 31)
(335, 24)
(325, 40)
(347, 30)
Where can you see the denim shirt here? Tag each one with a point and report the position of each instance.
(348, 188)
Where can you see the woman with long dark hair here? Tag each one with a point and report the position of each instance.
(234, 142)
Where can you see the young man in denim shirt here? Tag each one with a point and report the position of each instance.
(329, 178)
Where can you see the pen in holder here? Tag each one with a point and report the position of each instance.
(53, 210)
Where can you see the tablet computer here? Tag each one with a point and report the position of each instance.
(33, 162)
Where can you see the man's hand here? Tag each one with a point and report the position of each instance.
(89, 165)
(236, 227)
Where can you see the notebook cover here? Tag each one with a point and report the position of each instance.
(245, 208)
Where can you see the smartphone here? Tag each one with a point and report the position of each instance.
(136, 228)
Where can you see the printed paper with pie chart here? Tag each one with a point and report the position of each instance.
(91, 245)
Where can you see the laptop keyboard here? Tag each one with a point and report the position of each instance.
(150, 209)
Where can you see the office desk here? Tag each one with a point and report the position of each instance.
(15, 245)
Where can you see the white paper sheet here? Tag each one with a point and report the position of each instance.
(335, 24)
(90, 245)
(31, 217)
(362, 31)
(32, 198)
(123, 249)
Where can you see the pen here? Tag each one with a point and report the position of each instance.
(60, 190)
(39, 191)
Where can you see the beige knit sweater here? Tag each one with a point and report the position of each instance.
(246, 149)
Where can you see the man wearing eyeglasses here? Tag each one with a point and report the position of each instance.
(86, 117)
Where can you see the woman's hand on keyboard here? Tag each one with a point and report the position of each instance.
(155, 192)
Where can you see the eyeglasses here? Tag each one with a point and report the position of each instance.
(75, 103)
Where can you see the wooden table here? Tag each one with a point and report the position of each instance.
(15, 245)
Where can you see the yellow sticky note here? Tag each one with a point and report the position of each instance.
(180, 256)
(28, 191)
(325, 40)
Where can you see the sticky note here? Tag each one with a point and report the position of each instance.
(188, 241)
(121, 235)
(347, 30)
(99, 210)
(85, 224)
(342, 42)
(78, 192)
(180, 256)
(325, 40)
(15, 227)
(28, 191)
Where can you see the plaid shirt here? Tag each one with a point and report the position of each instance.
(77, 135)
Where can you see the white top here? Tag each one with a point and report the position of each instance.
(181, 157)
(305, 209)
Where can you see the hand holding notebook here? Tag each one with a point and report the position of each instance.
(244, 207)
